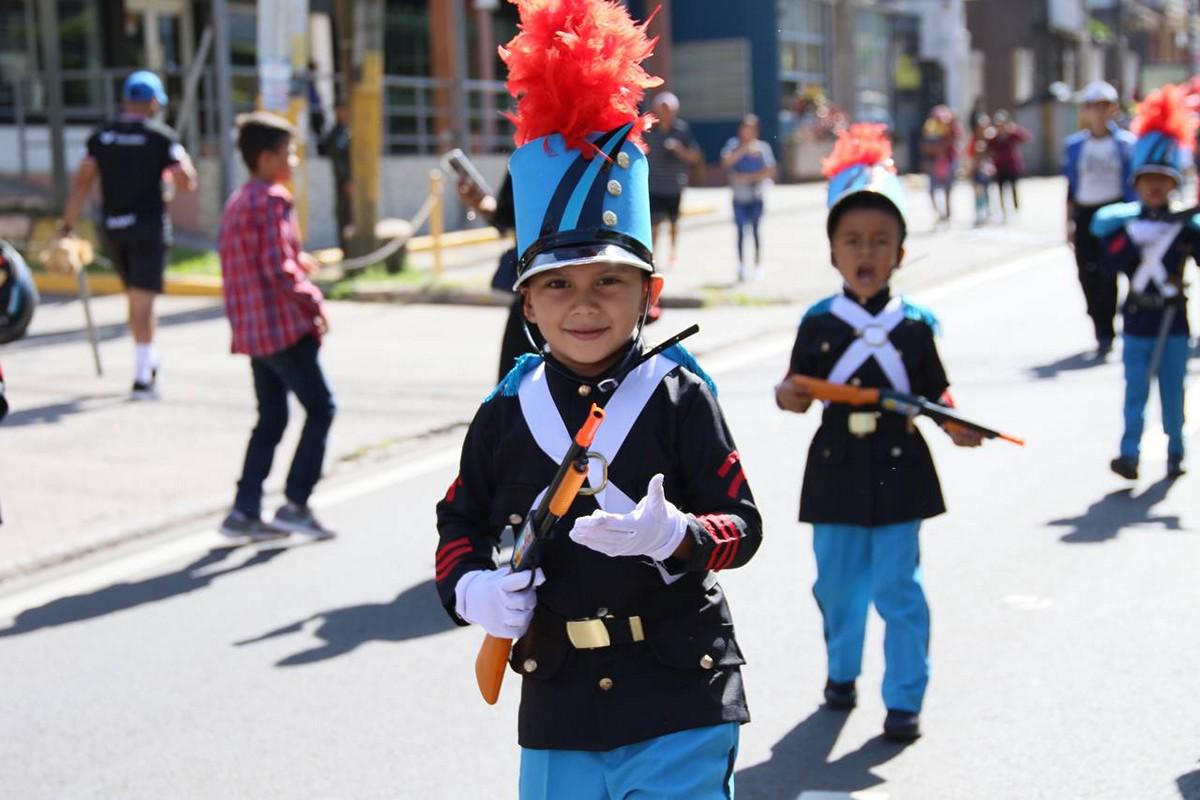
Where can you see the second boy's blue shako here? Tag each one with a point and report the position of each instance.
(572, 209)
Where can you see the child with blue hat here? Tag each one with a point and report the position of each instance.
(650, 700)
(869, 480)
(1150, 242)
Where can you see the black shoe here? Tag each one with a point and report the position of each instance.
(842, 696)
(238, 525)
(145, 390)
(300, 519)
(1126, 467)
(1103, 348)
(902, 726)
(1176, 466)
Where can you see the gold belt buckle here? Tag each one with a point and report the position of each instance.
(863, 423)
(591, 634)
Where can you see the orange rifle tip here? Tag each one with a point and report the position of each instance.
(587, 433)
(1013, 439)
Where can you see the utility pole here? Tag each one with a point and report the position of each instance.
(224, 78)
(53, 83)
(366, 121)
(845, 78)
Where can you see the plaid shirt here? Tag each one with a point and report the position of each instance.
(270, 302)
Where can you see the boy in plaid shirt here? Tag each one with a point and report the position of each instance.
(278, 318)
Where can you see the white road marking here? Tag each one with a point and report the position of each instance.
(203, 539)
(1027, 602)
(200, 540)
(864, 794)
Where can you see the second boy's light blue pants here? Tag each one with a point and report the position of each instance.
(856, 566)
(1136, 354)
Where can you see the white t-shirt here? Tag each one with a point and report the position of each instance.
(1099, 172)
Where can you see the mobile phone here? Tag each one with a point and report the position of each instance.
(465, 169)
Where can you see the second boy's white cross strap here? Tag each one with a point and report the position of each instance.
(1154, 239)
(871, 341)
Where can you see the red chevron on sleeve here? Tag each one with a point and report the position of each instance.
(453, 490)
(1117, 244)
(450, 555)
(724, 533)
(733, 463)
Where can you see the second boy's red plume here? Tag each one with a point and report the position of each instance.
(865, 143)
(1165, 110)
(575, 69)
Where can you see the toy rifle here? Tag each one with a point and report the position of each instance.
(910, 405)
(492, 660)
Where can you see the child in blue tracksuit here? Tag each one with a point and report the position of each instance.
(1151, 244)
(870, 479)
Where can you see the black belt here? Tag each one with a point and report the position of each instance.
(1152, 301)
(603, 630)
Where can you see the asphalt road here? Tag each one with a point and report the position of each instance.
(1065, 610)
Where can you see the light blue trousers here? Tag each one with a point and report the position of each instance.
(1136, 354)
(689, 765)
(857, 566)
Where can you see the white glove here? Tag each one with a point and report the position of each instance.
(498, 600)
(654, 528)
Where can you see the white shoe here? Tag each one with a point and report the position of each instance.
(743, 273)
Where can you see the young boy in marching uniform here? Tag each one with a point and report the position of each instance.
(870, 479)
(1151, 245)
(631, 682)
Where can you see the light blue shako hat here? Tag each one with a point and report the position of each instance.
(861, 161)
(580, 179)
(1166, 131)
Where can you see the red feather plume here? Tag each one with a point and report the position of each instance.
(1165, 111)
(864, 143)
(575, 68)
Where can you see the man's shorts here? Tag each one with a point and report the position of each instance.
(140, 260)
(664, 207)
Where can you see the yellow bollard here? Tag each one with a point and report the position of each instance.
(436, 221)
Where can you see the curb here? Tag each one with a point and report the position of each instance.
(103, 284)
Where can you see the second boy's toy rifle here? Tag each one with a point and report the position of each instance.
(910, 405)
(572, 472)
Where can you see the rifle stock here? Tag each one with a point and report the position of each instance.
(828, 392)
(490, 665)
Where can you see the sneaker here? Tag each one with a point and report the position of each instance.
(145, 390)
(300, 519)
(743, 274)
(239, 525)
(902, 726)
(1126, 467)
(842, 696)
(1176, 467)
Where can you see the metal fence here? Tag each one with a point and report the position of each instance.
(468, 113)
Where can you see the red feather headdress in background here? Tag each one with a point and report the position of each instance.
(1165, 111)
(864, 143)
(575, 69)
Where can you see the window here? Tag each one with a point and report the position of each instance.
(802, 28)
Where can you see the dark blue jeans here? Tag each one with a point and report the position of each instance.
(297, 370)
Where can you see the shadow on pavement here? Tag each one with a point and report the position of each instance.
(1079, 361)
(413, 613)
(1189, 785)
(1105, 518)
(800, 761)
(55, 412)
(116, 330)
(123, 596)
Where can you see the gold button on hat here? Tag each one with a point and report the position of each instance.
(610, 218)
(530, 665)
(605, 684)
(584, 390)
(623, 160)
(614, 188)
(706, 661)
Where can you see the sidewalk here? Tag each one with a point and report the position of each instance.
(85, 467)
